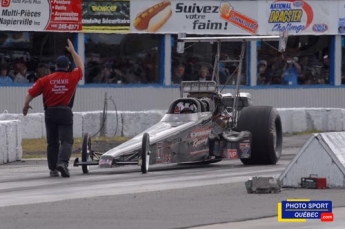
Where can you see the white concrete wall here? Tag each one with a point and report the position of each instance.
(135, 97)
(295, 120)
(129, 124)
(10, 141)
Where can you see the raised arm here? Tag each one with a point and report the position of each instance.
(76, 58)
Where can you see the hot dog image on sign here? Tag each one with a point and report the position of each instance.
(153, 17)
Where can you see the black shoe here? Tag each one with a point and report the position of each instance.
(54, 173)
(62, 168)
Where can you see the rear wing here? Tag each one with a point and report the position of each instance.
(198, 88)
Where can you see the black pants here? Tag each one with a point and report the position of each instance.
(59, 127)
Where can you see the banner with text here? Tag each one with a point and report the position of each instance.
(298, 17)
(341, 17)
(223, 17)
(106, 16)
(198, 17)
(40, 15)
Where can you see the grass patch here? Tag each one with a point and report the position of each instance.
(307, 132)
(37, 148)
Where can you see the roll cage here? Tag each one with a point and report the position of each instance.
(208, 90)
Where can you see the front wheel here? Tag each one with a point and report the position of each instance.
(265, 125)
(85, 152)
(145, 153)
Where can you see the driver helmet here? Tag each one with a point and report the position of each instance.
(186, 110)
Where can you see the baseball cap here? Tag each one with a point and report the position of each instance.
(263, 62)
(20, 61)
(3, 67)
(62, 63)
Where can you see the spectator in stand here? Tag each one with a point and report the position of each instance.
(223, 73)
(204, 74)
(263, 73)
(32, 77)
(324, 79)
(42, 70)
(118, 77)
(292, 71)
(223, 70)
(4, 78)
(149, 66)
(92, 70)
(21, 71)
(307, 75)
(277, 69)
(106, 74)
(179, 74)
(191, 67)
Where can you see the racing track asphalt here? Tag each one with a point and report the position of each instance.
(211, 196)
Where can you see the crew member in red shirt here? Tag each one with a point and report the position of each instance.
(58, 90)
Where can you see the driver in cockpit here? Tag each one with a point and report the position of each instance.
(186, 111)
(185, 108)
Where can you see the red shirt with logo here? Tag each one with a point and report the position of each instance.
(58, 88)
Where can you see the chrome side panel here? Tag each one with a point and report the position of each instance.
(171, 142)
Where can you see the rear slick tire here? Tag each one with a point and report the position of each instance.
(265, 125)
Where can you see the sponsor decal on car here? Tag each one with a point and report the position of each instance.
(200, 132)
(163, 155)
(245, 148)
(230, 153)
(199, 141)
(106, 161)
(198, 152)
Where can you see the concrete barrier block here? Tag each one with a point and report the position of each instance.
(19, 137)
(92, 122)
(6, 116)
(334, 119)
(136, 122)
(324, 119)
(343, 119)
(43, 125)
(3, 143)
(77, 124)
(113, 124)
(293, 119)
(286, 120)
(33, 125)
(299, 120)
(11, 134)
(130, 123)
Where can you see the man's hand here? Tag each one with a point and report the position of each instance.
(26, 109)
(70, 47)
(76, 58)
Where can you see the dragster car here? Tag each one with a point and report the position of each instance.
(202, 126)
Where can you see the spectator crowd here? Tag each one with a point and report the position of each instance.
(21, 71)
(284, 69)
(287, 69)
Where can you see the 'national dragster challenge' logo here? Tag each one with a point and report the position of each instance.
(290, 15)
